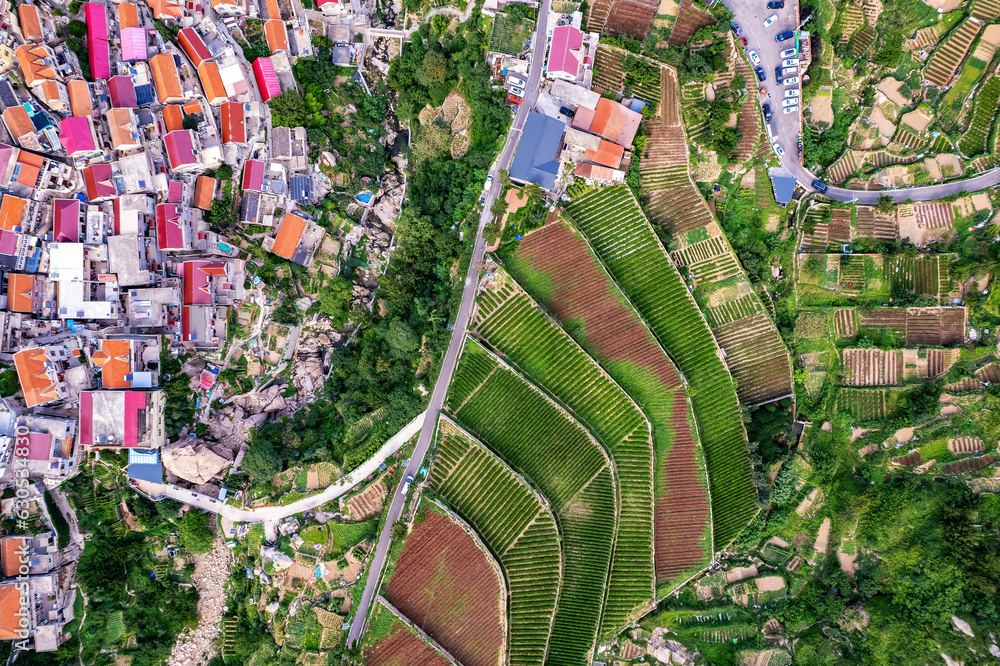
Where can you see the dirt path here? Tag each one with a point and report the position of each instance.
(210, 573)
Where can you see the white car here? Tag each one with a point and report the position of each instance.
(770, 20)
(790, 71)
(754, 58)
(790, 109)
(791, 62)
(790, 82)
(791, 101)
(792, 93)
(788, 53)
(489, 182)
(517, 91)
(778, 149)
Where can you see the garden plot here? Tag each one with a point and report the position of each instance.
(510, 35)
(920, 326)
(923, 38)
(989, 373)
(689, 20)
(986, 10)
(749, 117)
(834, 230)
(852, 19)
(973, 141)
(757, 358)
(886, 125)
(812, 325)
(969, 205)
(845, 322)
(949, 55)
(867, 404)
(927, 363)
(922, 275)
(710, 260)
(397, 644)
(918, 120)
(909, 138)
(821, 107)
(758, 591)
(969, 465)
(730, 311)
(893, 90)
(873, 367)
(965, 385)
(962, 446)
(933, 215)
(872, 224)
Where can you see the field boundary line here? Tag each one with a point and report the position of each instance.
(413, 627)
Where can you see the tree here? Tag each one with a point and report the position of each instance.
(224, 172)
(433, 68)
(885, 204)
(491, 232)
(261, 461)
(9, 384)
(191, 122)
(195, 534)
(77, 28)
(222, 215)
(402, 340)
(335, 300)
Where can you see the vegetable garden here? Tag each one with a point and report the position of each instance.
(973, 141)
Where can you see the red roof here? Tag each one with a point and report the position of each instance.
(180, 148)
(76, 135)
(169, 230)
(267, 78)
(194, 46)
(97, 178)
(197, 280)
(67, 221)
(175, 190)
(253, 175)
(122, 92)
(134, 402)
(98, 51)
(234, 129)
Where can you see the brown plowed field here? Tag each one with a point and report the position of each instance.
(631, 17)
(581, 292)
(969, 465)
(935, 326)
(964, 386)
(449, 588)
(872, 367)
(907, 461)
(681, 512)
(689, 19)
(989, 373)
(401, 648)
(368, 502)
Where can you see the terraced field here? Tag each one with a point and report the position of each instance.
(710, 260)
(623, 240)
(921, 275)
(511, 322)
(973, 141)
(872, 224)
(757, 358)
(950, 54)
(570, 468)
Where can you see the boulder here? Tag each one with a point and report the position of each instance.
(276, 557)
(958, 624)
(193, 461)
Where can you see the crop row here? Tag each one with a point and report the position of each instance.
(866, 404)
(520, 331)
(973, 142)
(728, 312)
(515, 525)
(540, 440)
(623, 239)
(917, 274)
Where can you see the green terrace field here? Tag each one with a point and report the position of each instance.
(517, 527)
(624, 241)
(510, 321)
(973, 141)
(556, 454)
(510, 34)
(951, 104)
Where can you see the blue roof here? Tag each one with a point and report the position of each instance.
(783, 183)
(536, 159)
(143, 456)
(150, 473)
(144, 95)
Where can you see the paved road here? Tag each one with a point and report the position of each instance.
(785, 129)
(461, 323)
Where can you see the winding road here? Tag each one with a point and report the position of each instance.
(460, 327)
(784, 129)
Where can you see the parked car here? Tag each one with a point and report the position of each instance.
(776, 4)
(820, 186)
(784, 36)
(777, 73)
(790, 82)
(566, 111)
(792, 93)
(778, 149)
(513, 99)
(788, 53)
(789, 71)
(754, 58)
(489, 182)
(517, 91)
(406, 486)
(515, 80)
(790, 62)
(737, 30)
(743, 42)
(790, 109)
(760, 73)
(769, 21)
(791, 101)
(767, 111)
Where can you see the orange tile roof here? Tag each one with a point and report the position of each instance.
(166, 79)
(277, 35)
(31, 22)
(121, 128)
(11, 212)
(79, 98)
(166, 9)
(128, 15)
(233, 124)
(192, 108)
(289, 235)
(37, 385)
(211, 81)
(19, 289)
(31, 59)
(50, 92)
(18, 122)
(10, 606)
(615, 122)
(204, 192)
(31, 167)
(272, 9)
(10, 553)
(173, 117)
(115, 359)
(609, 154)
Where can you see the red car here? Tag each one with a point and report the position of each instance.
(513, 99)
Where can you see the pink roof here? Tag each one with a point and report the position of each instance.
(75, 135)
(8, 242)
(197, 276)
(39, 446)
(122, 92)
(134, 45)
(169, 232)
(253, 175)
(67, 221)
(267, 79)
(564, 55)
(134, 401)
(180, 148)
(175, 189)
(98, 50)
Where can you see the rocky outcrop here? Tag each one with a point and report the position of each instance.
(211, 572)
(193, 461)
(276, 557)
(959, 624)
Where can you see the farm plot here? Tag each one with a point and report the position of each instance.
(934, 215)
(947, 57)
(852, 273)
(989, 373)
(749, 119)
(812, 325)
(744, 306)
(523, 536)
(935, 326)
(986, 10)
(757, 358)
(845, 323)
(961, 446)
(973, 141)
(831, 226)
(866, 404)
(608, 73)
(884, 318)
(709, 261)
(969, 465)
(510, 34)
(557, 265)
(689, 19)
(927, 363)
(920, 275)
(395, 644)
(513, 324)
(573, 471)
(872, 367)
(872, 224)
(631, 17)
(449, 587)
(965, 385)
(621, 236)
